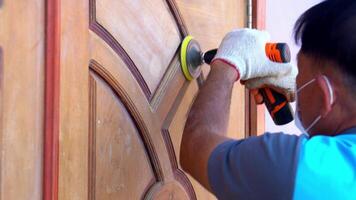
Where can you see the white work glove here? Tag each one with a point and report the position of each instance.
(244, 49)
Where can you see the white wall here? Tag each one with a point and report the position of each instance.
(280, 19)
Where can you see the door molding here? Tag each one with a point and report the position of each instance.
(256, 120)
(52, 91)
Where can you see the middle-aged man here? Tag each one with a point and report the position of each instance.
(320, 164)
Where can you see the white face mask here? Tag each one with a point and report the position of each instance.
(297, 120)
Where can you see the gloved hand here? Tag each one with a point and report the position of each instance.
(244, 49)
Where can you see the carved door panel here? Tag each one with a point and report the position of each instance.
(124, 99)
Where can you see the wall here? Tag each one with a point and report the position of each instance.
(281, 16)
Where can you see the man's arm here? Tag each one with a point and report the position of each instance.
(233, 175)
(207, 122)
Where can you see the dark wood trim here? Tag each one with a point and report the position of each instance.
(148, 188)
(1, 71)
(182, 178)
(259, 14)
(170, 149)
(178, 17)
(256, 113)
(52, 91)
(92, 139)
(104, 34)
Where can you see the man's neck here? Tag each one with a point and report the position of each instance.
(347, 126)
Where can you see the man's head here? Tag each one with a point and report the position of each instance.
(327, 33)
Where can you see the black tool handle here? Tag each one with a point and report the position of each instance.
(209, 56)
(276, 103)
(276, 52)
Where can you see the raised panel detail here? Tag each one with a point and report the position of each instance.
(146, 30)
(172, 133)
(119, 162)
(170, 191)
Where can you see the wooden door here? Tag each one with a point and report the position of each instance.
(123, 97)
(92, 98)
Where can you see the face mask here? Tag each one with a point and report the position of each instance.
(298, 121)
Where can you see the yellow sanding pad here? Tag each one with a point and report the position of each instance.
(190, 56)
(183, 57)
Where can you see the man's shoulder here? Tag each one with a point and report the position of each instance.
(281, 165)
(326, 163)
(264, 166)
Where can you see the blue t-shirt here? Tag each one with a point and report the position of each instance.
(279, 166)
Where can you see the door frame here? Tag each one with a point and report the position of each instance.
(256, 113)
(52, 92)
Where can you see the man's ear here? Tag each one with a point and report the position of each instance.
(328, 94)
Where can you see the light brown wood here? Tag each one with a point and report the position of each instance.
(74, 100)
(170, 191)
(146, 30)
(21, 98)
(257, 116)
(105, 57)
(124, 99)
(117, 148)
(208, 22)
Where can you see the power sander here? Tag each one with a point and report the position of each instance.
(192, 58)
